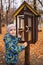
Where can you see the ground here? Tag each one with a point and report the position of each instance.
(36, 50)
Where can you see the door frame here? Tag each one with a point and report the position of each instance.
(26, 23)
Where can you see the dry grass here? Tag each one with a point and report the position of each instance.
(36, 50)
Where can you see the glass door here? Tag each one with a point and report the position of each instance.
(20, 26)
(28, 28)
(24, 26)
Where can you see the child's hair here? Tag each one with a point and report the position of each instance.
(11, 26)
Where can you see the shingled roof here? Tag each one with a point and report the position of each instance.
(28, 6)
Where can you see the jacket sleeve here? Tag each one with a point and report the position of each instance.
(12, 47)
(16, 49)
(19, 39)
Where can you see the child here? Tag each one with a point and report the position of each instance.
(11, 45)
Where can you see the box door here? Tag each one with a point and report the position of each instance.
(28, 28)
(24, 24)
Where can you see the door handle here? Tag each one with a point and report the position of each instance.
(27, 28)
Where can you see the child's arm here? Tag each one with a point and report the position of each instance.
(17, 49)
(19, 38)
(10, 46)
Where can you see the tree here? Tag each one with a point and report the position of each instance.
(1, 8)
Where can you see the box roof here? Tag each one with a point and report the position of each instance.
(28, 6)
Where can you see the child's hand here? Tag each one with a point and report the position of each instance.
(25, 44)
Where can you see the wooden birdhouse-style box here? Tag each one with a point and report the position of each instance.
(26, 20)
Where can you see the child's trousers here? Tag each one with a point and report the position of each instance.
(11, 64)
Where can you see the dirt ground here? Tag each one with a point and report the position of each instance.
(36, 50)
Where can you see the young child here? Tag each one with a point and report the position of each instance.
(11, 45)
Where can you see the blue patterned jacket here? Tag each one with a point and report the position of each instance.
(12, 48)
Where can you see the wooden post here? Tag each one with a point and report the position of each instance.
(35, 24)
(27, 49)
(27, 55)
